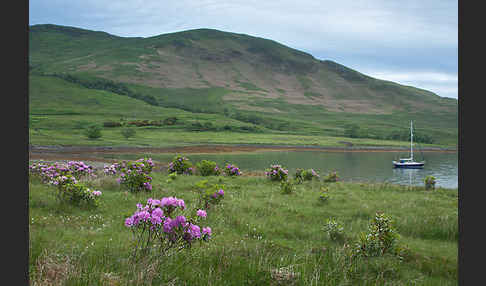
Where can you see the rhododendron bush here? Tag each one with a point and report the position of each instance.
(65, 177)
(180, 165)
(277, 173)
(135, 176)
(209, 194)
(232, 170)
(162, 226)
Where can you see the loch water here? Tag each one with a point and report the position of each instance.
(351, 166)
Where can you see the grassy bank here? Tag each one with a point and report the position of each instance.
(160, 137)
(256, 230)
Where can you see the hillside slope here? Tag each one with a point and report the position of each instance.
(241, 77)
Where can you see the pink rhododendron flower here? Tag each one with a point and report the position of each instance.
(201, 213)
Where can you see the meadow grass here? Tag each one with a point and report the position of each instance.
(260, 235)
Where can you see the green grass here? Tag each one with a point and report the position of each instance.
(255, 230)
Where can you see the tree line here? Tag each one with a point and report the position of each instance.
(108, 85)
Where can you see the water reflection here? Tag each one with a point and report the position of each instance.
(400, 176)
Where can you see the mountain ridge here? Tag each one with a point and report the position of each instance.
(242, 73)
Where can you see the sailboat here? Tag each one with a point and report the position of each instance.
(409, 162)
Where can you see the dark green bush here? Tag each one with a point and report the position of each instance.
(111, 124)
(93, 132)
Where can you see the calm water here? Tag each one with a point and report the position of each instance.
(351, 166)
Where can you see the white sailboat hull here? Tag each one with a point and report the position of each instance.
(409, 162)
(409, 165)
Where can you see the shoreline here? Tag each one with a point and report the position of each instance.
(57, 152)
(221, 148)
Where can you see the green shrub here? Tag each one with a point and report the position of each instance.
(306, 175)
(128, 132)
(287, 186)
(72, 192)
(334, 229)
(93, 132)
(324, 194)
(429, 182)
(209, 194)
(331, 177)
(171, 177)
(111, 124)
(208, 168)
(380, 239)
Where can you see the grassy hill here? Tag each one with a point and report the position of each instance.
(217, 81)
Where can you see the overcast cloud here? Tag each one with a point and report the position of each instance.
(410, 42)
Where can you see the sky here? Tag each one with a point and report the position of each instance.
(411, 42)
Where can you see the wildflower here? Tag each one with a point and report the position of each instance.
(195, 231)
(201, 213)
(206, 231)
(158, 212)
(129, 222)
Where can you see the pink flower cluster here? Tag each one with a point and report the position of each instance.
(219, 193)
(202, 213)
(158, 217)
(232, 170)
(50, 172)
(276, 173)
(65, 178)
(80, 169)
(112, 169)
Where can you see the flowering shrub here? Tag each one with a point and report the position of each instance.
(159, 225)
(429, 182)
(208, 168)
(64, 178)
(69, 190)
(306, 175)
(277, 173)
(79, 169)
(112, 169)
(209, 194)
(381, 237)
(232, 170)
(48, 172)
(135, 175)
(334, 229)
(331, 177)
(180, 165)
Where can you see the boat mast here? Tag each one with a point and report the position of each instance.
(411, 140)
